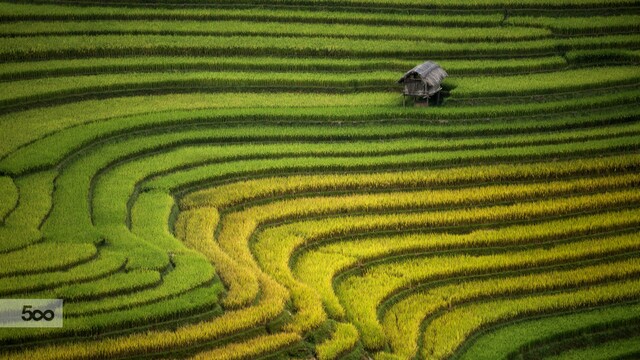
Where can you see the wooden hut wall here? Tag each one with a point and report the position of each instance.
(415, 88)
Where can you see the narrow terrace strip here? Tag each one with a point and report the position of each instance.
(367, 244)
(199, 301)
(8, 197)
(246, 231)
(618, 332)
(79, 206)
(581, 25)
(369, 248)
(541, 84)
(386, 4)
(254, 28)
(203, 198)
(128, 170)
(213, 171)
(106, 264)
(248, 192)
(95, 66)
(629, 348)
(116, 284)
(33, 12)
(501, 311)
(349, 108)
(112, 155)
(43, 92)
(227, 324)
(37, 258)
(405, 321)
(52, 47)
(265, 246)
(386, 279)
(540, 330)
(70, 142)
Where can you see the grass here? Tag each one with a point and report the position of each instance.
(119, 283)
(494, 311)
(38, 258)
(29, 91)
(83, 46)
(217, 172)
(544, 83)
(359, 250)
(9, 195)
(239, 179)
(403, 320)
(56, 12)
(37, 90)
(254, 28)
(526, 334)
(385, 280)
(68, 140)
(55, 68)
(106, 264)
(581, 25)
(608, 350)
(343, 339)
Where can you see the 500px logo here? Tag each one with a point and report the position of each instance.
(30, 313)
(37, 315)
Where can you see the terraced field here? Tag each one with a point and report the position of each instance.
(239, 179)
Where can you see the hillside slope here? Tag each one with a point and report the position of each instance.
(240, 179)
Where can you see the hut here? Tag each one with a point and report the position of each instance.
(422, 82)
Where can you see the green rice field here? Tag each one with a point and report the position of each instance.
(239, 179)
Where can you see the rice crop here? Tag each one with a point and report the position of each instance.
(245, 179)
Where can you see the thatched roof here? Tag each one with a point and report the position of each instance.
(430, 73)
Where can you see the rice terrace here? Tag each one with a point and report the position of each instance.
(320, 179)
